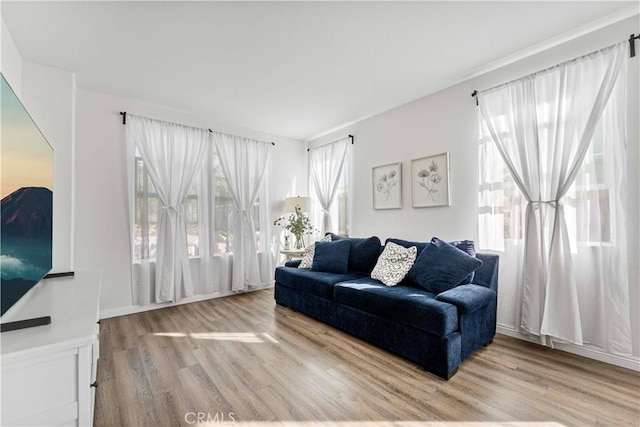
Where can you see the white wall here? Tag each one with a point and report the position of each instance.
(10, 60)
(102, 234)
(90, 210)
(49, 95)
(447, 121)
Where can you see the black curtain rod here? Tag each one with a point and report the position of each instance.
(632, 44)
(348, 136)
(124, 122)
(473, 94)
(632, 53)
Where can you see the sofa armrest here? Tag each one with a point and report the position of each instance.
(468, 298)
(293, 263)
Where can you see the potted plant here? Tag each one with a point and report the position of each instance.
(297, 224)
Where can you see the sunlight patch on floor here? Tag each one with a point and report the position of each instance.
(170, 334)
(243, 337)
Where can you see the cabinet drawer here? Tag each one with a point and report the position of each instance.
(45, 383)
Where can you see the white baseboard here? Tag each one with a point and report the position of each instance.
(584, 351)
(132, 309)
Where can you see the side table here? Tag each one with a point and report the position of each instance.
(289, 254)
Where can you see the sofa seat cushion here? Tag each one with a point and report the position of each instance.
(409, 305)
(316, 283)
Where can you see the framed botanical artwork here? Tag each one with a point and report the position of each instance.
(387, 186)
(430, 181)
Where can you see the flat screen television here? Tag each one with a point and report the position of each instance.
(26, 208)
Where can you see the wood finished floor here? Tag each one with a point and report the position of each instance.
(244, 357)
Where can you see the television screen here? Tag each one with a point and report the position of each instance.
(26, 210)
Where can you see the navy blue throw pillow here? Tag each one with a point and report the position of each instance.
(411, 275)
(363, 254)
(441, 266)
(331, 257)
(468, 247)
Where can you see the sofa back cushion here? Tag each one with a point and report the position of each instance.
(441, 266)
(363, 253)
(487, 274)
(331, 257)
(407, 244)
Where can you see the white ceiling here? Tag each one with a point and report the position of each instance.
(296, 69)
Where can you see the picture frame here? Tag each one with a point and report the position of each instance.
(386, 186)
(430, 183)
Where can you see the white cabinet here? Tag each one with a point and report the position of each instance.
(48, 371)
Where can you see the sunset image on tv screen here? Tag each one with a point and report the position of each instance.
(27, 200)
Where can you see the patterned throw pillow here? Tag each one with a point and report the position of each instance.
(394, 263)
(309, 252)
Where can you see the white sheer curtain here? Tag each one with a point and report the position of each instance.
(214, 247)
(245, 165)
(325, 169)
(172, 156)
(560, 224)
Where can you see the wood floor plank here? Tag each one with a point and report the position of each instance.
(245, 357)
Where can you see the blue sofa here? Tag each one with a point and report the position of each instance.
(436, 330)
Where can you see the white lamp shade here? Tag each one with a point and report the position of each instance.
(290, 203)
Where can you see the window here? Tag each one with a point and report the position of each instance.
(587, 204)
(224, 208)
(566, 278)
(340, 208)
(146, 215)
(330, 164)
(502, 206)
(147, 205)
